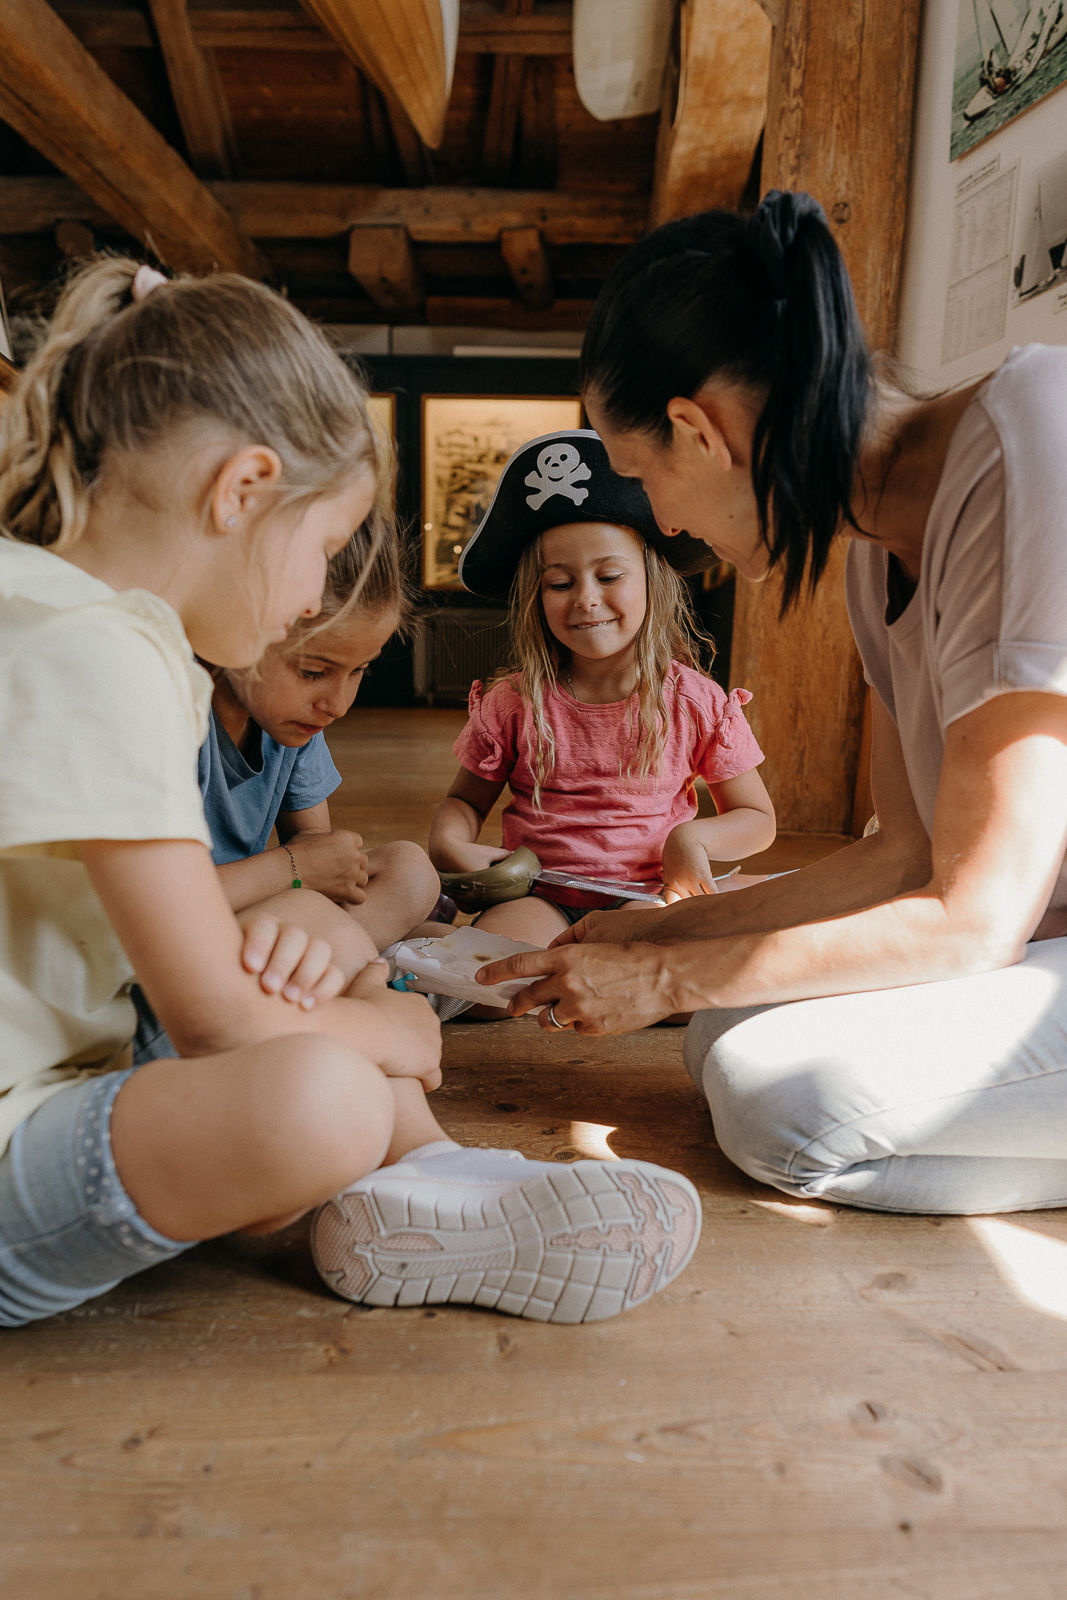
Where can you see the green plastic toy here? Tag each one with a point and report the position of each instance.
(509, 879)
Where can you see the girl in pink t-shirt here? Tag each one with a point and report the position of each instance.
(604, 721)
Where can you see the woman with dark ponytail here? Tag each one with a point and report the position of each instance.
(887, 1028)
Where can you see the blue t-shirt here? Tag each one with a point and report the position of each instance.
(242, 798)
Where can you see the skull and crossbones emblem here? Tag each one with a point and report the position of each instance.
(559, 468)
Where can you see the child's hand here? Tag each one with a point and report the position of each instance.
(413, 1047)
(686, 868)
(334, 863)
(290, 962)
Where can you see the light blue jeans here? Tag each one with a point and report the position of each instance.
(942, 1097)
(68, 1229)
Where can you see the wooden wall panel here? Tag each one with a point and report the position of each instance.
(839, 126)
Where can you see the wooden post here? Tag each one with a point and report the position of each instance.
(838, 125)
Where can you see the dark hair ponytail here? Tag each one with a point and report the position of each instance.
(763, 302)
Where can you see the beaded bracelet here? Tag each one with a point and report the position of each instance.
(297, 880)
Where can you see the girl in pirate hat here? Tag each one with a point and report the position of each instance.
(604, 720)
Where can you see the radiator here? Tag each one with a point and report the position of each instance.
(454, 647)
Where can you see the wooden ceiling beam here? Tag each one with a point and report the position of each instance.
(535, 165)
(484, 31)
(714, 107)
(505, 104)
(283, 25)
(527, 260)
(397, 150)
(55, 95)
(196, 90)
(383, 262)
(318, 211)
(443, 215)
(412, 154)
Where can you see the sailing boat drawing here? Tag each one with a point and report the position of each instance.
(1012, 48)
(1035, 270)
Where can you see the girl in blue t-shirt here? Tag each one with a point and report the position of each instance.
(265, 765)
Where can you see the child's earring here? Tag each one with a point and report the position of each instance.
(231, 522)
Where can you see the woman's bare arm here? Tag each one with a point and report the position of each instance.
(878, 914)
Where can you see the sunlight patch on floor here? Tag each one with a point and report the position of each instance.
(591, 1138)
(1033, 1264)
(798, 1211)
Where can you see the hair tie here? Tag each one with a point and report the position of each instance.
(145, 279)
(774, 228)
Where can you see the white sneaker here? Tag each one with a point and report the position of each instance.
(556, 1243)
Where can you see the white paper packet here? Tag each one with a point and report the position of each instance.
(448, 965)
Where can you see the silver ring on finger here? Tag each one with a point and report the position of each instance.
(556, 1023)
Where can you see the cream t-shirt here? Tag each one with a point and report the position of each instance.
(989, 615)
(102, 711)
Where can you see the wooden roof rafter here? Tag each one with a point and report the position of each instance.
(505, 104)
(284, 25)
(198, 97)
(56, 96)
(321, 210)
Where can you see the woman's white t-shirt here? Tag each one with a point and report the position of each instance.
(102, 711)
(989, 615)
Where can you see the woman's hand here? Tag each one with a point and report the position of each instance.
(414, 1031)
(334, 863)
(290, 962)
(686, 868)
(591, 987)
(636, 921)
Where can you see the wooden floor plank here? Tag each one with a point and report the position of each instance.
(827, 1402)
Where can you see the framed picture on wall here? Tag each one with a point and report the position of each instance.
(466, 443)
(1009, 54)
(382, 411)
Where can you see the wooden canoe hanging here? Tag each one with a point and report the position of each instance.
(406, 47)
(620, 51)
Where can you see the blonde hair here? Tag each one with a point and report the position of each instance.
(668, 632)
(115, 374)
(368, 575)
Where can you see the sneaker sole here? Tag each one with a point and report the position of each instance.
(579, 1244)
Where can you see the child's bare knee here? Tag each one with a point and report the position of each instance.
(336, 1107)
(408, 866)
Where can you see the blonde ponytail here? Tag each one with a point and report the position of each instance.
(118, 374)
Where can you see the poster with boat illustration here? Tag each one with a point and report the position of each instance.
(1041, 244)
(1009, 54)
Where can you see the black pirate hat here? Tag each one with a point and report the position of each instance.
(563, 477)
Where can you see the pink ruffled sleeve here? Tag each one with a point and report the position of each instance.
(728, 746)
(487, 744)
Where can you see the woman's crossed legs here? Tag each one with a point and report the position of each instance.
(941, 1097)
